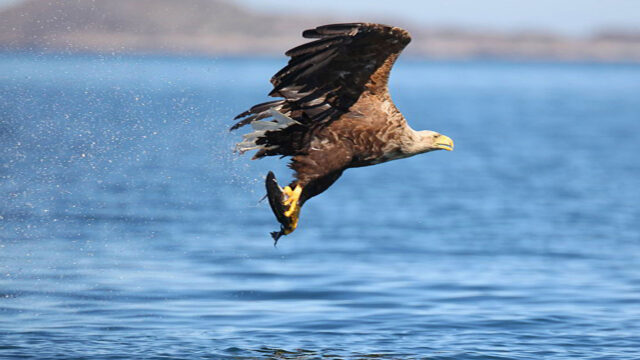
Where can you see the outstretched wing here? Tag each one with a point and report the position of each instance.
(325, 77)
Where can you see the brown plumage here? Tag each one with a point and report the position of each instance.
(335, 113)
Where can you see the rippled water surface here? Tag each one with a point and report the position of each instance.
(128, 229)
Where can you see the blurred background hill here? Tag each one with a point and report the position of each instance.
(223, 27)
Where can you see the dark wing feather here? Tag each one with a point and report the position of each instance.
(325, 77)
(257, 112)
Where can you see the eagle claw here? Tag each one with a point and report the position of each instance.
(285, 204)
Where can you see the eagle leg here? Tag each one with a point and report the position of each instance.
(285, 204)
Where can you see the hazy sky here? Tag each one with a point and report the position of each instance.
(6, 2)
(568, 16)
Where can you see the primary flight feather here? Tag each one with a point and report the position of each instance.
(335, 113)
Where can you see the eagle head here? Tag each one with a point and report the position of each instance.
(427, 140)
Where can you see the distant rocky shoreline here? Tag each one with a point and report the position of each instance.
(221, 28)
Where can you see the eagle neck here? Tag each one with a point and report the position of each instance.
(410, 142)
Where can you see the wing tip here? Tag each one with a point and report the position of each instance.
(351, 29)
(329, 30)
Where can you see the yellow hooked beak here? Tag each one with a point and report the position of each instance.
(444, 142)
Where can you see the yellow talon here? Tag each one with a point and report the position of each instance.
(287, 191)
(294, 221)
(292, 200)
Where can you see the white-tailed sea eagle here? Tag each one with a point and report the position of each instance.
(334, 113)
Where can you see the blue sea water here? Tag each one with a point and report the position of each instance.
(129, 230)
